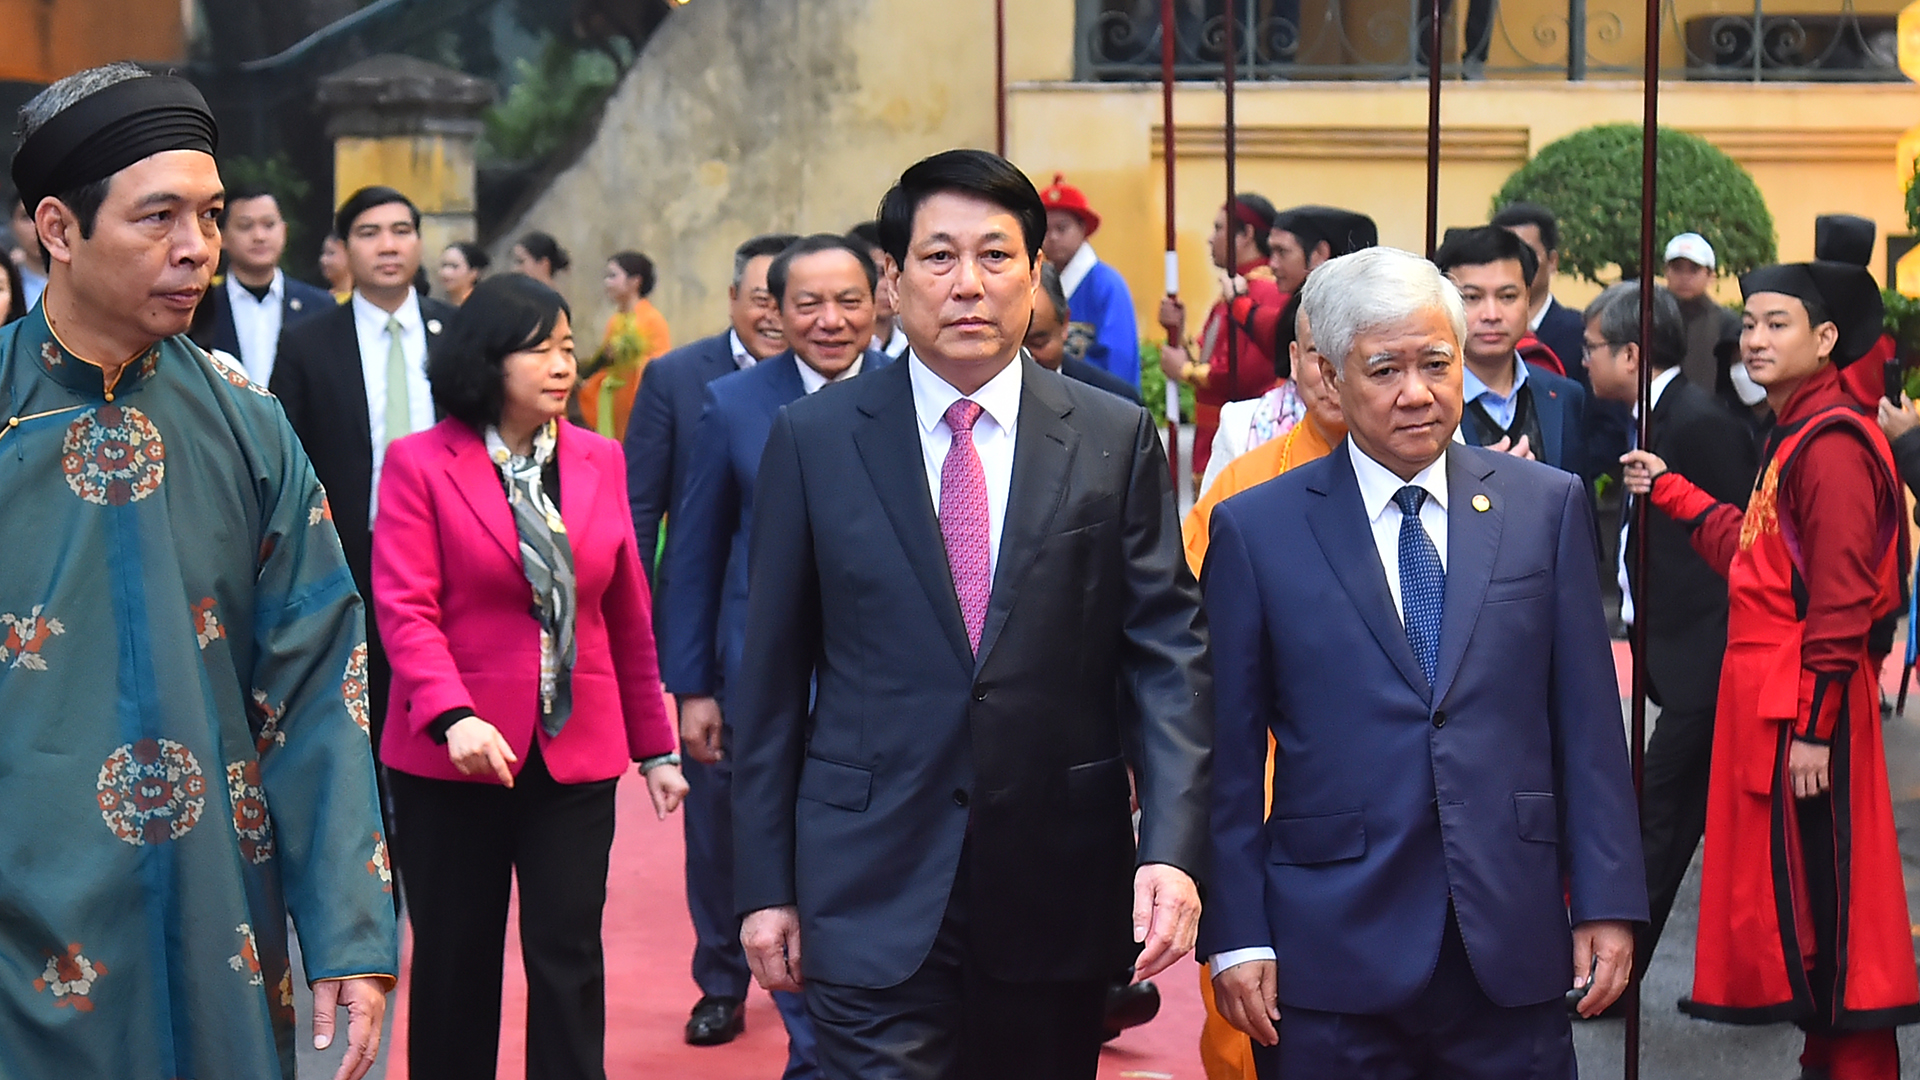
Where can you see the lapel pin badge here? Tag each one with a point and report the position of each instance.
(294, 303)
(1482, 503)
(433, 326)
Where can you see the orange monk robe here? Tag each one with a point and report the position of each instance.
(633, 338)
(1225, 1053)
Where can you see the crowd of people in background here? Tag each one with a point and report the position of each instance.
(1107, 708)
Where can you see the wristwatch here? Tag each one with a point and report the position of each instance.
(647, 765)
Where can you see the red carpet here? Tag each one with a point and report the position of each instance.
(649, 940)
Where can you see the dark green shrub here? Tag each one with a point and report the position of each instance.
(1591, 182)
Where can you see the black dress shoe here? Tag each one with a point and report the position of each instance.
(1130, 1005)
(716, 1021)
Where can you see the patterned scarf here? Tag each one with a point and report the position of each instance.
(548, 561)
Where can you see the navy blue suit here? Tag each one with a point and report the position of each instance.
(659, 444)
(702, 614)
(1561, 406)
(1395, 803)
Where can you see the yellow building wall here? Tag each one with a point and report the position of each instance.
(1812, 149)
(50, 39)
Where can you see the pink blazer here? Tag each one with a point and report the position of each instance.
(453, 607)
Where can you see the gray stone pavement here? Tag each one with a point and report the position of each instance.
(1676, 1047)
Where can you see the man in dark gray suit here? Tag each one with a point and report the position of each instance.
(957, 563)
(659, 445)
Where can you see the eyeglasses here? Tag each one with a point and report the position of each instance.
(1588, 348)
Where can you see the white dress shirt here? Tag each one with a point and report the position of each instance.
(1534, 320)
(993, 435)
(742, 359)
(811, 380)
(1378, 485)
(1077, 268)
(896, 345)
(256, 325)
(1660, 384)
(370, 325)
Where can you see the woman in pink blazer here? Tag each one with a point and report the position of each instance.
(508, 586)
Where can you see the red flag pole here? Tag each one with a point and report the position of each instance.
(1000, 77)
(1649, 184)
(1233, 222)
(1433, 126)
(1172, 259)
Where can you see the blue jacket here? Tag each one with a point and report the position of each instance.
(1104, 301)
(701, 607)
(1495, 789)
(1561, 406)
(659, 442)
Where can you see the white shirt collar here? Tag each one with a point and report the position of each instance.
(1538, 317)
(933, 395)
(1378, 484)
(366, 311)
(1660, 384)
(811, 380)
(742, 359)
(276, 290)
(1471, 387)
(896, 345)
(1077, 269)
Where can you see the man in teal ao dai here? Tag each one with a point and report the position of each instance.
(183, 749)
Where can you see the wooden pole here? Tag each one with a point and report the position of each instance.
(1172, 259)
(1000, 77)
(1433, 126)
(1233, 222)
(1649, 185)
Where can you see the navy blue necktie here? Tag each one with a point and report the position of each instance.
(1423, 582)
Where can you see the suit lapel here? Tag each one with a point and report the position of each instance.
(351, 384)
(1473, 538)
(1339, 522)
(1547, 405)
(1043, 449)
(478, 482)
(888, 438)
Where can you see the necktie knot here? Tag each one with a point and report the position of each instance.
(962, 415)
(393, 326)
(1410, 499)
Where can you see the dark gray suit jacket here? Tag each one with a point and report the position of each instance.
(853, 801)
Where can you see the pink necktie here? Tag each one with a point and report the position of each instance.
(963, 519)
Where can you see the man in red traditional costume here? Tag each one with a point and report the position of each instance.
(1803, 911)
(1237, 344)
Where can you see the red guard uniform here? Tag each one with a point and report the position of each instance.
(1243, 369)
(1803, 910)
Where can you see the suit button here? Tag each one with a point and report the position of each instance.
(979, 694)
(1439, 719)
(959, 798)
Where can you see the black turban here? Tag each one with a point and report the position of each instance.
(1843, 238)
(108, 130)
(1343, 231)
(1848, 293)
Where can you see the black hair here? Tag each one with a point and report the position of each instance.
(1262, 209)
(366, 199)
(505, 314)
(968, 172)
(1525, 213)
(814, 245)
(1285, 332)
(542, 247)
(241, 193)
(759, 247)
(1484, 245)
(16, 291)
(634, 264)
(868, 233)
(1617, 313)
(477, 258)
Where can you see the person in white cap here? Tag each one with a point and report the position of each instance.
(1710, 327)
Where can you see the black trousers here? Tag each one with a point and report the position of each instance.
(952, 1021)
(463, 846)
(1673, 814)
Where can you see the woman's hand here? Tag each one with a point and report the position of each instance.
(1173, 317)
(478, 749)
(1173, 361)
(1897, 420)
(667, 788)
(1643, 469)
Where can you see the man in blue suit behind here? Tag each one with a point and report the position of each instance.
(1418, 624)
(824, 285)
(1507, 399)
(659, 444)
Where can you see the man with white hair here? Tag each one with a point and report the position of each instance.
(1449, 777)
